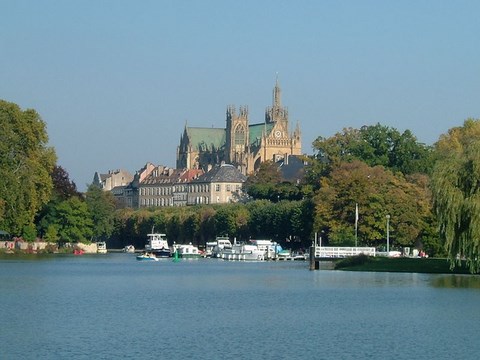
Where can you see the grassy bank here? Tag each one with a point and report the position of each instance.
(416, 265)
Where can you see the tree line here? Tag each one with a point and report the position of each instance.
(430, 194)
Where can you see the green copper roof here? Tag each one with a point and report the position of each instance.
(256, 131)
(206, 138)
(214, 138)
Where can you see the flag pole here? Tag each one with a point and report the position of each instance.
(356, 224)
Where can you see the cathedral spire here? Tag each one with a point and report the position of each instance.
(277, 94)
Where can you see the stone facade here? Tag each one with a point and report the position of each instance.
(112, 179)
(222, 184)
(241, 144)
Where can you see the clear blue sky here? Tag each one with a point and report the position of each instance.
(115, 81)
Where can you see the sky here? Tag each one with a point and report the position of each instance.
(116, 81)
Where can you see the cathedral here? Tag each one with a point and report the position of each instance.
(241, 144)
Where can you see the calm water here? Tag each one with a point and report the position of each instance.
(113, 307)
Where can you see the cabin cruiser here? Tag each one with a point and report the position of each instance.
(187, 251)
(258, 250)
(269, 248)
(157, 244)
(101, 247)
(241, 251)
(129, 249)
(220, 244)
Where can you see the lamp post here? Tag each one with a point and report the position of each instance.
(388, 234)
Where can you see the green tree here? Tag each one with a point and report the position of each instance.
(74, 221)
(29, 233)
(224, 220)
(25, 166)
(375, 145)
(456, 192)
(101, 206)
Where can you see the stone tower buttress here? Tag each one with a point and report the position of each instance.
(237, 136)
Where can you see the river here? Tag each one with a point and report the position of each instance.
(114, 307)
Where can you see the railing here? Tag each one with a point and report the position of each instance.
(341, 252)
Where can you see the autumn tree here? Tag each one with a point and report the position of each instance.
(456, 192)
(25, 166)
(378, 192)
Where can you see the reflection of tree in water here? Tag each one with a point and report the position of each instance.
(457, 281)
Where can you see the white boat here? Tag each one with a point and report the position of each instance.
(158, 245)
(284, 255)
(240, 251)
(101, 247)
(187, 251)
(220, 244)
(129, 249)
(270, 249)
(258, 250)
(147, 257)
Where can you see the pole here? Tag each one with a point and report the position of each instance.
(388, 234)
(356, 224)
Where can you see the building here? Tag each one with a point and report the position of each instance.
(180, 188)
(240, 143)
(112, 179)
(222, 184)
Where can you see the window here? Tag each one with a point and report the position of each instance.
(239, 135)
(217, 187)
(229, 187)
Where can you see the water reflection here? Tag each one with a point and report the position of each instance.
(457, 281)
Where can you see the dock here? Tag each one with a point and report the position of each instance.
(322, 253)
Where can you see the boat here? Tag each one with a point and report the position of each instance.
(129, 249)
(284, 255)
(269, 248)
(78, 252)
(256, 250)
(187, 251)
(147, 257)
(157, 244)
(217, 247)
(242, 251)
(101, 247)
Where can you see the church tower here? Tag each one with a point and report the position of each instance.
(276, 114)
(237, 137)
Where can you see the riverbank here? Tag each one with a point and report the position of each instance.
(402, 264)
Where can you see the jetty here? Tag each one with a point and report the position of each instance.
(322, 253)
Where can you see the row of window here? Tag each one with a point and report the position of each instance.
(156, 202)
(198, 188)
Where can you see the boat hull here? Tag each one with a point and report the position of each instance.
(164, 253)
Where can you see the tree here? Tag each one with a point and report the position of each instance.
(378, 192)
(266, 183)
(456, 192)
(74, 221)
(25, 166)
(101, 206)
(63, 187)
(375, 145)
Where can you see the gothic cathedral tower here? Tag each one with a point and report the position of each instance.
(237, 137)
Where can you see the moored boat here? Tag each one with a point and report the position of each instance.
(187, 251)
(101, 247)
(129, 249)
(218, 246)
(240, 251)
